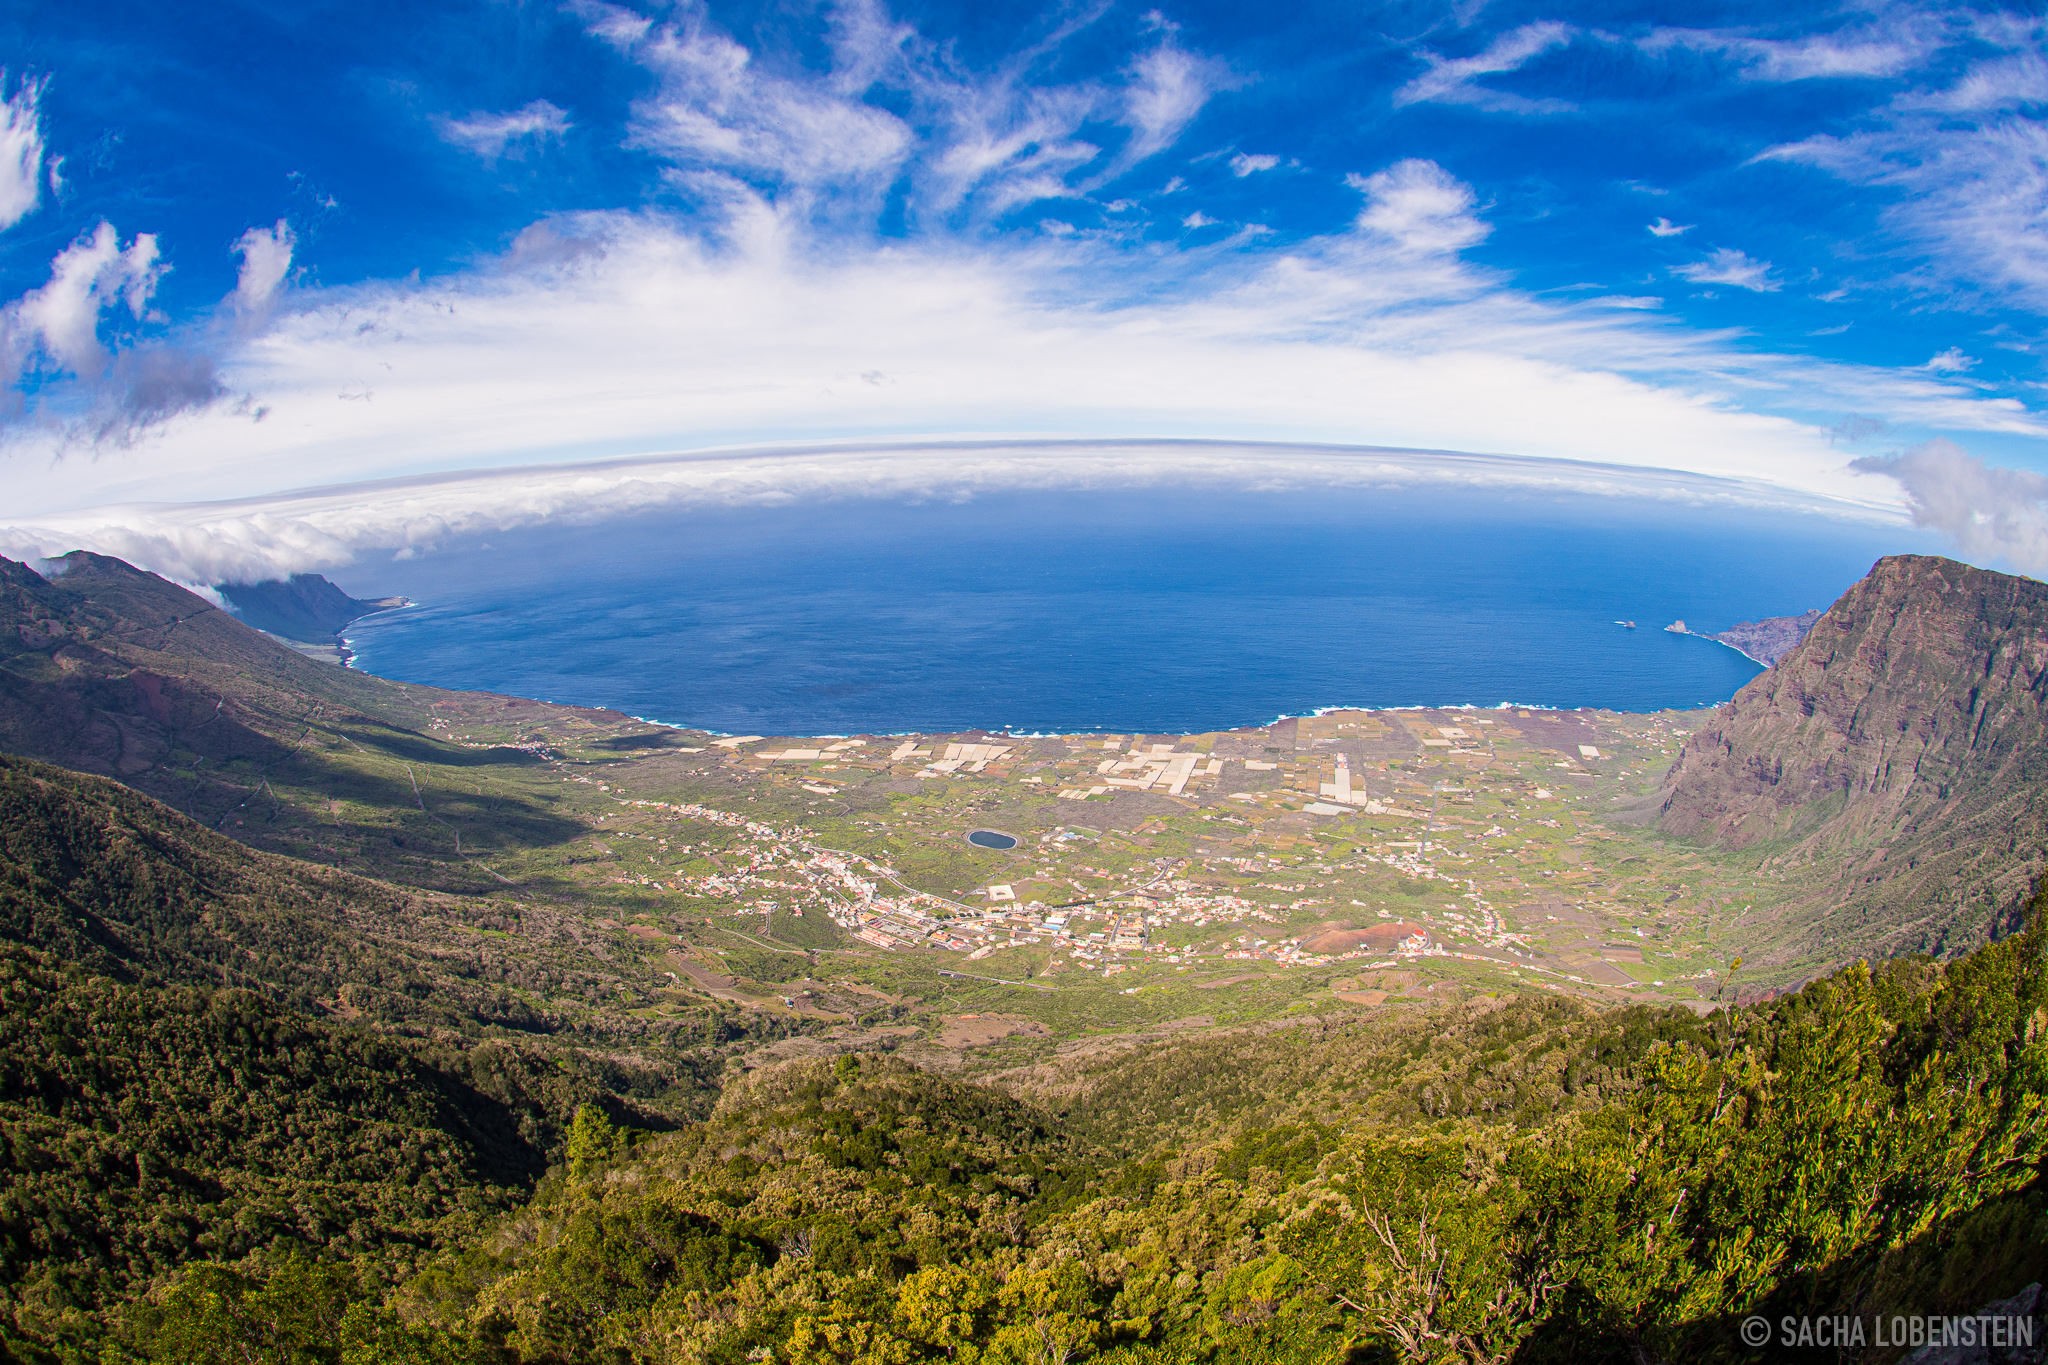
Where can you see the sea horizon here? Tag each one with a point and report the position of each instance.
(1103, 614)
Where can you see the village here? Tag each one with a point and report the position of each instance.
(1355, 840)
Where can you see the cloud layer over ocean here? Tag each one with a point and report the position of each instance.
(253, 539)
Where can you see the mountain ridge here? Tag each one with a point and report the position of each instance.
(1897, 756)
(305, 607)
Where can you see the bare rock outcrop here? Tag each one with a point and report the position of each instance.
(1894, 764)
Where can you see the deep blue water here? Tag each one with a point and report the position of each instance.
(1124, 612)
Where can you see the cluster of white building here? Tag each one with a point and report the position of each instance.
(864, 897)
(1158, 768)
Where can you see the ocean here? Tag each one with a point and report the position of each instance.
(1159, 613)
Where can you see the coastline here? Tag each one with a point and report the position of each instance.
(1717, 640)
(1313, 714)
(1680, 627)
(344, 648)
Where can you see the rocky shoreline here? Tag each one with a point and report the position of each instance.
(1762, 642)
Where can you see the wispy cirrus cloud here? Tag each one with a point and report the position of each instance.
(491, 136)
(1973, 194)
(1867, 51)
(1726, 265)
(21, 151)
(1168, 88)
(1456, 80)
(999, 137)
(1999, 84)
(717, 108)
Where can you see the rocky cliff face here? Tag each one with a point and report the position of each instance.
(1894, 764)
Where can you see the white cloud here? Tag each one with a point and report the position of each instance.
(1456, 81)
(1197, 219)
(1872, 51)
(1421, 207)
(1973, 194)
(1169, 85)
(613, 333)
(819, 143)
(257, 538)
(1986, 512)
(716, 107)
(1008, 143)
(1246, 163)
(1664, 227)
(745, 322)
(84, 390)
(491, 136)
(21, 153)
(59, 322)
(266, 257)
(1728, 266)
(2002, 83)
(1951, 361)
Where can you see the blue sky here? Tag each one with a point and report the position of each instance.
(250, 249)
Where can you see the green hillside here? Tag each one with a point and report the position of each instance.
(109, 670)
(146, 1128)
(208, 1051)
(1870, 1144)
(114, 882)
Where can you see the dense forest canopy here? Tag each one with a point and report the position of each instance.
(1869, 1144)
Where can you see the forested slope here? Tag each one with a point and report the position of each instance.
(145, 1128)
(1869, 1145)
(116, 883)
(107, 878)
(209, 1051)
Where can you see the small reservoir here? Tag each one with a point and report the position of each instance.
(988, 838)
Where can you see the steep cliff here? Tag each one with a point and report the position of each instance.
(1894, 764)
(304, 607)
